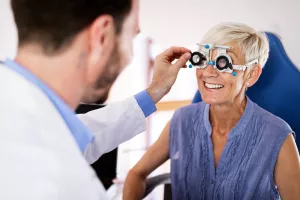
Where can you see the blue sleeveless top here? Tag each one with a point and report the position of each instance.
(246, 167)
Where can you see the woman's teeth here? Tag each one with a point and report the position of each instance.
(213, 86)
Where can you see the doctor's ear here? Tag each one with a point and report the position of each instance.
(253, 75)
(101, 38)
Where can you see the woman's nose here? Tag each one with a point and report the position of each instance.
(210, 71)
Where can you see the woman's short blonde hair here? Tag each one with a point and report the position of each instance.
(254, 44)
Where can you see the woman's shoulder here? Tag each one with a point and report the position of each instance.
(270, 121)
(187, 114)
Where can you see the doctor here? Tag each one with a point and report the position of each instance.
(70, 51)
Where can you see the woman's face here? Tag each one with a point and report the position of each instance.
(221, 87)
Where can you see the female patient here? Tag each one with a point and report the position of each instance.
(225, 147)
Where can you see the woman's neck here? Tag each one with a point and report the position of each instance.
(225, 116)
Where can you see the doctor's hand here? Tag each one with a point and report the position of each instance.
(165, 73)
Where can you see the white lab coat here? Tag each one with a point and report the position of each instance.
(39, 158)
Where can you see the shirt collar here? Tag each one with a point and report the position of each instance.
(80, 133)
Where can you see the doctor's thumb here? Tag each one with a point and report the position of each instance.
(180, 63)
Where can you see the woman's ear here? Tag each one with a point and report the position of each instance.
(253, 75)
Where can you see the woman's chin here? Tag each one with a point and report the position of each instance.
(212, 99)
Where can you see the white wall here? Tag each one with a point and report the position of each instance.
(184, 22)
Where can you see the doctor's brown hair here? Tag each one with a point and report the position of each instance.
(53, 24)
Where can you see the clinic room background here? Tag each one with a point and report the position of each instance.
(184, 23)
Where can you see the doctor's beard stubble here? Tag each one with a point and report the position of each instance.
(99, 93)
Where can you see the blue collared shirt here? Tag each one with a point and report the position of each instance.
(79, 131)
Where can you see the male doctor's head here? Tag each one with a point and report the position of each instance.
(97, 36)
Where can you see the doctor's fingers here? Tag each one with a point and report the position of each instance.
(181, 62)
